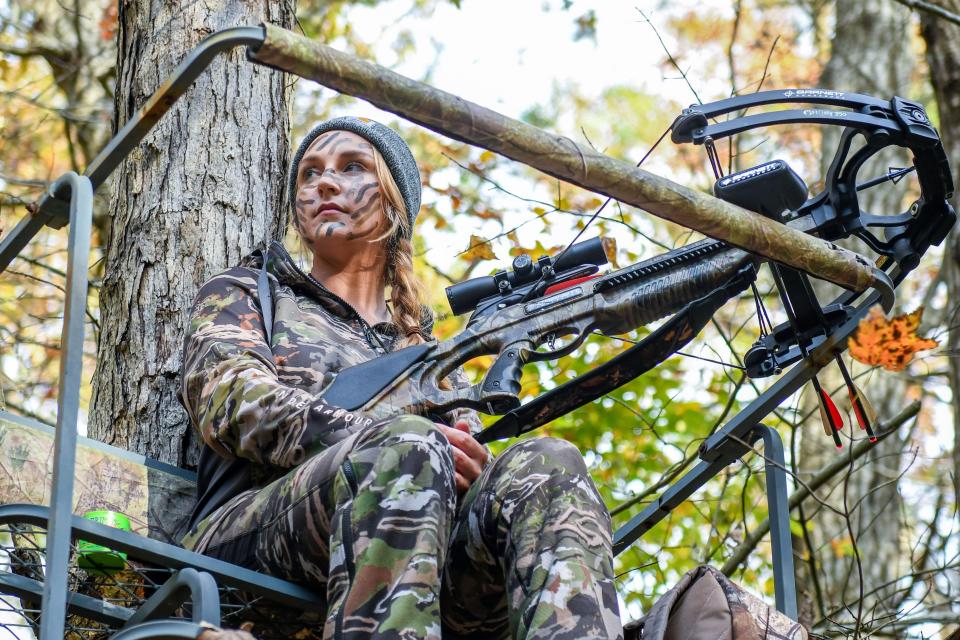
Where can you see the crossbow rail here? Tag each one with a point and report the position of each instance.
(69, 201)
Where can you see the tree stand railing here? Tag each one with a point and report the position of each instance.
(190, 578)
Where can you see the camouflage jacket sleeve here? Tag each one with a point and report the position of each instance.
(230, 386)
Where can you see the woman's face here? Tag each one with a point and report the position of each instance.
(338, 194)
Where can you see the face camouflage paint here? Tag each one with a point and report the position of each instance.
(334, 137)
(338, 193)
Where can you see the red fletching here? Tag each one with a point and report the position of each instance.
(858, 411)
(831, 418)
(566, 284)
(836, 421)
(862, 409)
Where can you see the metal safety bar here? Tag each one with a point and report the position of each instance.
(78, 192)
(187, 584)
(160, 553)
(784, 580)
(735, 439)
(70, 200)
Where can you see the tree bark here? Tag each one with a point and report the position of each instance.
(204, 188)
(860, 63)
(943, 56)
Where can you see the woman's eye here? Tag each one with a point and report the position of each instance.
(355, 166)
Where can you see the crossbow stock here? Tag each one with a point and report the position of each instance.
(516, 313)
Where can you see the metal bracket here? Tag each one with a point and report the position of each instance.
(198, 587)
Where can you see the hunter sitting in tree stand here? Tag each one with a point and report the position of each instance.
(406, 524)
(403, 525)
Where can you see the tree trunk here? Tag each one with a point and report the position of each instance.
(858, 63)
(943, 56)
(203, 189)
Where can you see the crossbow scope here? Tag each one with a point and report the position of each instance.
(508, 287)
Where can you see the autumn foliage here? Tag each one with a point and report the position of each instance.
(890, 344)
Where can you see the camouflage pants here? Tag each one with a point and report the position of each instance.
(374, 521)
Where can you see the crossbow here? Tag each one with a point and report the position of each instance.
(517, 312)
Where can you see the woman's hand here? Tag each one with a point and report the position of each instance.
(469, 456)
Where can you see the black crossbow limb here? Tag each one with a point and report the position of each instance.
(817, 333)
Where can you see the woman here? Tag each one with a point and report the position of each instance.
(403, 523)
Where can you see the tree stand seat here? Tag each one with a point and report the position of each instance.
(156, 590)
(153, 588)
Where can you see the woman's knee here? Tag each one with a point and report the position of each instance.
(546, 455)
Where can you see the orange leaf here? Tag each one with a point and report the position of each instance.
(478, 249)
(109, 22)
(888, 343)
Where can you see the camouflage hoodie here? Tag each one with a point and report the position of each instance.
(258, 407)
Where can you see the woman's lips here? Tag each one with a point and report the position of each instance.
(329, 211)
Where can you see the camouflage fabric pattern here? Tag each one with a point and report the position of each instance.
(374, 518)
(157, 502)
(706, 604)
(365, 507)
(261, 402)
(530, 552)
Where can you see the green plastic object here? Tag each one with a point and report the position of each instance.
(96, 559)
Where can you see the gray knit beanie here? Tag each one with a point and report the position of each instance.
(391, 146)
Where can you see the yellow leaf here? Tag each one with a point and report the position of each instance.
(487, 156)
(610, 249)
(842, 547)
(478, 249)
(888, 343)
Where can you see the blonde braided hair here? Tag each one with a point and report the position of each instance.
(406, 291)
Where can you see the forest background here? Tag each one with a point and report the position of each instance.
(612, 75)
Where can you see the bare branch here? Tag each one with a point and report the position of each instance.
(929, 7)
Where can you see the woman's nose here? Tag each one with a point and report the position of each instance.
(329, 182)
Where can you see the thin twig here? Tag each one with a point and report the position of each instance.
(822, 477)
(929, 7)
